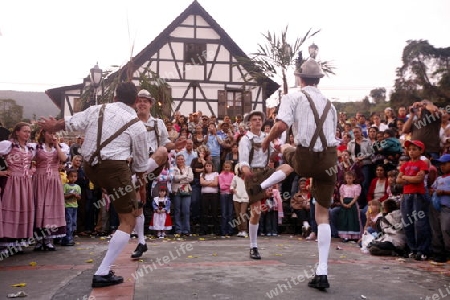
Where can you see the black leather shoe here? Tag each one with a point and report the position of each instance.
(319, 282)
(254, 254)
(106, 280)
(140, 249)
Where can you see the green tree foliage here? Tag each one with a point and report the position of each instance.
(378, 95)
(148, 80)
(10, 112)
(425, 74)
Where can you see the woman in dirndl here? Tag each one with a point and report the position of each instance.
(17, 205)
(48, 191)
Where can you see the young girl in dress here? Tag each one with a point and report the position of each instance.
(349, 225)
(161, 220)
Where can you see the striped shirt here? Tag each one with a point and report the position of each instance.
(295, 110)
(131, 143)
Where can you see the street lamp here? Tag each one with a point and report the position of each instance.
(96, 78)
(313, 50)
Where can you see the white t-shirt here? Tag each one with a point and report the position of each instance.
(209, 189)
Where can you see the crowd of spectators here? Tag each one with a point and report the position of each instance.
(386, 162)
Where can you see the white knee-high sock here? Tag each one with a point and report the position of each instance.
(152, 165)
(253, 233)
(116, 245)
(275, 178)
(139, 228)
(323, 242)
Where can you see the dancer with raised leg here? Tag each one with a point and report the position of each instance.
(313, 120)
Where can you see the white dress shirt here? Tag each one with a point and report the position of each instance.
(151, 135)
(131, 143)
(259, 157)
(295, 110)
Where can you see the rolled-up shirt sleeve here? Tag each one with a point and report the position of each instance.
(286, 110)
(80, 120)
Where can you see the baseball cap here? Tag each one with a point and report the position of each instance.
(415, 142)
(445, 158)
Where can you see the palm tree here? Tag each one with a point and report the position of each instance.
(277, 55)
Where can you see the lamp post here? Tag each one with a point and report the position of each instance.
(96, 78)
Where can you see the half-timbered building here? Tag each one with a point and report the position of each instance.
(203, 67)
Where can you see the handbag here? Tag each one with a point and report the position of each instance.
(185, 189)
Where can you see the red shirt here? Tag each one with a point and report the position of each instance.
(411, 168)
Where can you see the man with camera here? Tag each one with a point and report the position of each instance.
(424, 123)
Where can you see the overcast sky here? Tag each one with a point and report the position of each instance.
(47, 44)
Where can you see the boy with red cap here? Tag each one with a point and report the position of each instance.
(414, 205)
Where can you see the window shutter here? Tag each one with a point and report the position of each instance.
(222, 104)
(247, 101)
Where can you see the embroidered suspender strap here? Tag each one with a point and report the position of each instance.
(108, 140)
(319, 123)
(252, 151)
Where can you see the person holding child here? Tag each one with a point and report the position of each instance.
(349, 225)
(72, 193)
(414, 205)
(440, 213)
(161, 220)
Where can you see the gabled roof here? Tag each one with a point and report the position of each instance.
(193, 9)
(56, 93)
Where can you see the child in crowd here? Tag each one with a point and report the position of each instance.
(63, 173)
(373, 213)
(72, 193)
(300, 205)
(268, 221)
(440, 212)
(161, 220)
(226, 198)
(391, 239)
(209, 180)
(349, 224)
(240, 202)
(414, 205)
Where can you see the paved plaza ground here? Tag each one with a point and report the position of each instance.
(214, 268)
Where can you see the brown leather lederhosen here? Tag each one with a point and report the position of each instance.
(308, 163)
(112, 175)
